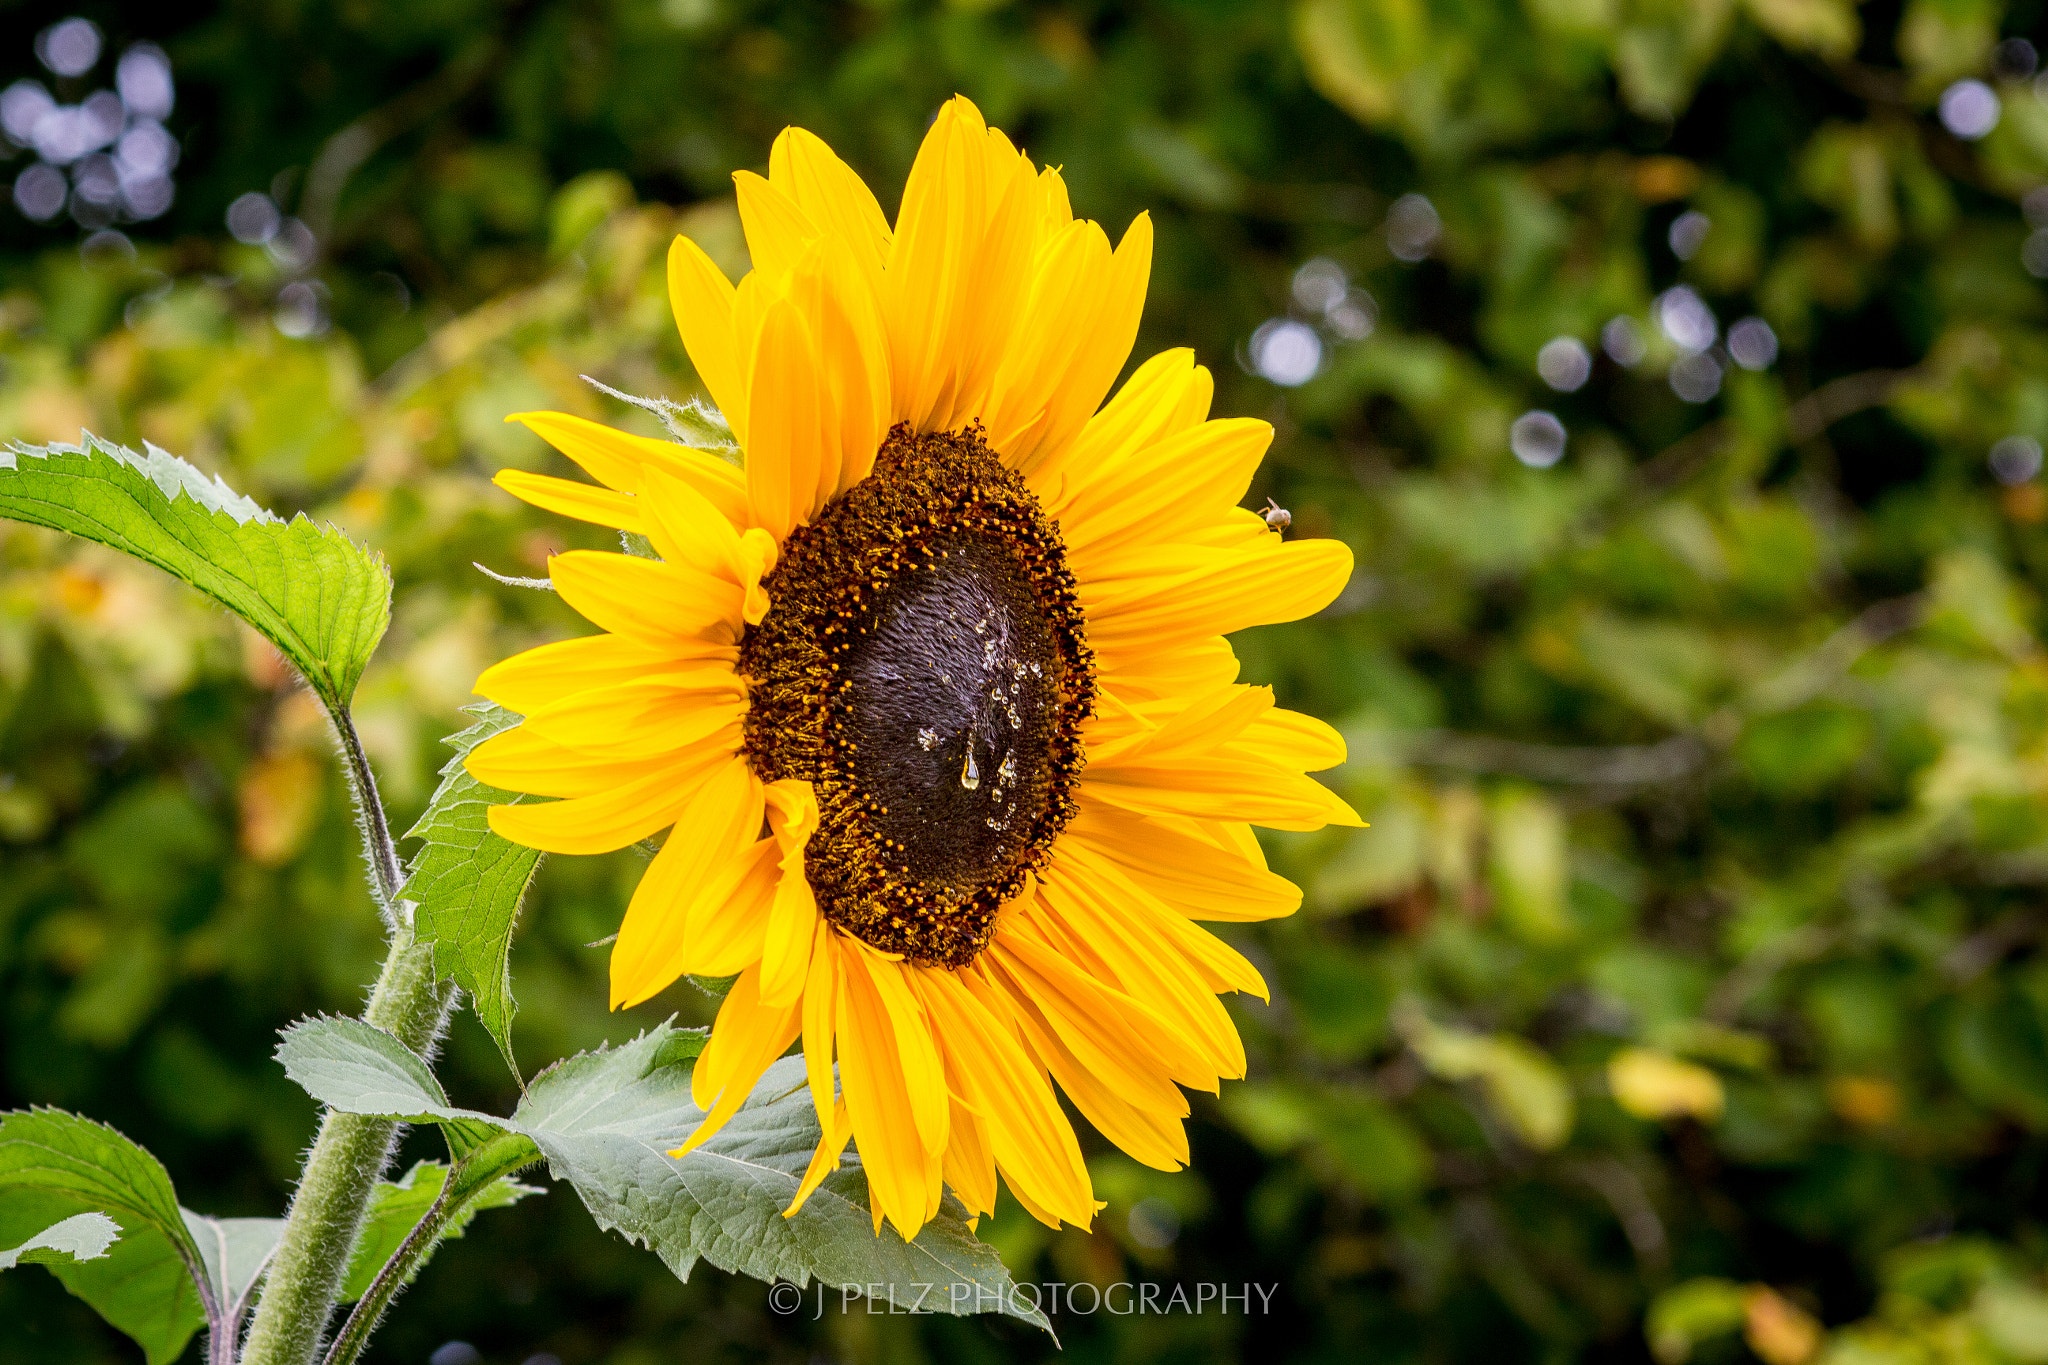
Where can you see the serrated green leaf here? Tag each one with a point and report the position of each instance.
(396, 1207)
(467, 883)
(323, 600)
(360, 1069)
(140, 1286)
(53, 1165)
(235, 1252)
(81, 1237)
(605, 1121)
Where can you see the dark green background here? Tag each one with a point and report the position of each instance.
(1724, 740)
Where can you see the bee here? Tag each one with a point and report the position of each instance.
(1278, 518)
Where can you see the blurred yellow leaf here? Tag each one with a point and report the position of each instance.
(1453, 844)
(1975, 599)
(1656, 1085)
(1527, 862)
(1828, 27)
(279, 798)
(1866, 1101)
(1716, 1043)
(1662, 51)
(1686, 1314)
(1943, 39)
(1523, 1086)
(2015, 1317)
(1595, 16)
(1778, 1330)
(1357, 54)
(1659, 179)
(24, 811)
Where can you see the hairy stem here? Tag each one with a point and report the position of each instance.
(386, 876)
(465, 1181)
(352, 1151)
(369, 1310)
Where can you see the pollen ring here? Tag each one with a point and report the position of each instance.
(923, 665)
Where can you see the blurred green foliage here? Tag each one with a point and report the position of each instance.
(1686, 999)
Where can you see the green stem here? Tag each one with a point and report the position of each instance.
(461, 1187)
(386, 875)
(351, 1152)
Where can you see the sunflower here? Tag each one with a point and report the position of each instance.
(933, 699)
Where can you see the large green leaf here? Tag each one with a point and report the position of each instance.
(605, 1121)
(323, 600)
(54, 1165)
(360, 1069)
(396, 1207)
(81, 1237)
(467, 883)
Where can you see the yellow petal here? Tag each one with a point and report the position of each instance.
(820, 1008)
(1217, 758)
(518, 760)
(986, 315)
(786, 427)
(930, 277)
(831, 196)
(617, 459)
(758, 553)
(745, 1038)
(646, 718)
(1066, 289)
(838, 1130)
(1166, 490)
(1185, 871)
(1183, 595)
(583, 501)
(1247, 790)
(917, 1054)
(610, 819)
(1102, 321)
(654, 944)
(969, 1165)
(1152, 1136)
(900, 1168)
(852, 341)
(1143, 410)
(1116, 1036)
(1028, 1136)
(728, 920)
(1126, 947)
(687, 528)
(1157, 953)
(667, 605)
(702, 299)
(793, 921)
(778, 232)
(1200, 665)
(1305, 742)
(550, 672)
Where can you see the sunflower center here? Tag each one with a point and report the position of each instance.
(923, 667)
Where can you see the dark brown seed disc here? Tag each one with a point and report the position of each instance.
(923, 665)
